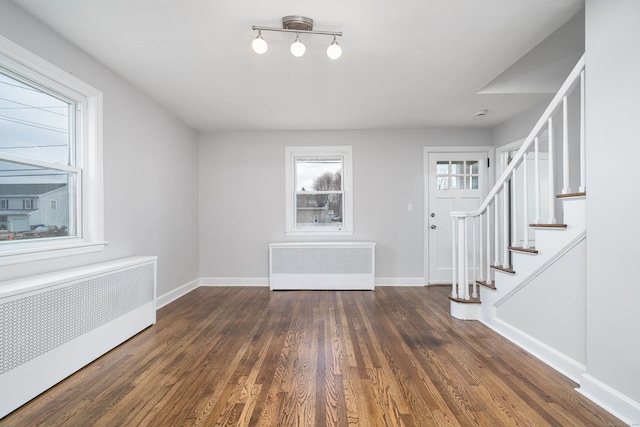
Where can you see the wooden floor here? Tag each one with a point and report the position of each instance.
(248, 356)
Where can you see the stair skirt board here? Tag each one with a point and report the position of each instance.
(488, 315)
(582, 236)
(572, 369)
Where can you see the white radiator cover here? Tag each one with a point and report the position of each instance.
(322, 266)
(54, 324)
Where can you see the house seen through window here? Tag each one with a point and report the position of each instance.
(319, 190)
(51, 192)
(36, 161)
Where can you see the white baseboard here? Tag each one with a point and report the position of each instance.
(234, 281)
(258, 281)
(552, 357)
(613, 401)
(173, 295)
(399, 281)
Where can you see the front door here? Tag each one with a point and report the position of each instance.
(456, 182)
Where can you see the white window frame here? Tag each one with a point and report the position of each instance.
(89, 213)
(343, 152)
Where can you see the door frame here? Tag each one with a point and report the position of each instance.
(489, 150)
(502, 150)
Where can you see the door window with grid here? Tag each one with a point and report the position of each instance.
(457, 174)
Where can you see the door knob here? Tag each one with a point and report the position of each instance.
(433, 227)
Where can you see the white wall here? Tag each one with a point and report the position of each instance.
(242, 196)
(613, 135)
(551, 307)
(150, 161)
(518, 127)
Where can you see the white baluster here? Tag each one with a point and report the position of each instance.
(454, 257)
(552, 198)
(488, 265)
(565, 147)
(474, 275)
(463, 286)
(583, 144)
(505, 225)
(536, 178)
(525, 204)
(496, 231)
(480, 228)
(514, 209)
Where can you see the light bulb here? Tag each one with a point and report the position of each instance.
(259, 45)
(297, 48)
(334, 51)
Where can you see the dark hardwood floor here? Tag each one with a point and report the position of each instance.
(248, 356)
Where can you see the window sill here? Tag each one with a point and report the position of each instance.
(10, 256)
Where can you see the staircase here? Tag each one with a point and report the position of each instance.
(519, 260)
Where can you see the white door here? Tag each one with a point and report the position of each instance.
(456, 182)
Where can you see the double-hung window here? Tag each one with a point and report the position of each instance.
(50, 160)
(319, 190)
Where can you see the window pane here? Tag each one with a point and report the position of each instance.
(442, 168)
(472, 168)
(318, 174)
(37, 202)
(443, 183)
(457, 183)
(33, 123)
(457, 167)
(473, 183)
(319, 209)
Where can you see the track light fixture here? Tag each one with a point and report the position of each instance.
(334, 51)
(297, 47)
(259, 45)
(298, 25)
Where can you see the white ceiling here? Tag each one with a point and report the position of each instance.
(405, 63)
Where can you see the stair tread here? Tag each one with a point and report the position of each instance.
(569, 195)
(489, 285)
(521, 249)
(504, 269)
(553, 226)
(466, 301)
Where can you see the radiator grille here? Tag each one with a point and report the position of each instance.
(321, 260)
(35, 323)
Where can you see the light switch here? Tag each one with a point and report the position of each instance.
(410, 207)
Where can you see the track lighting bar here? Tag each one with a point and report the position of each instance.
(286, 30)
(298, 25)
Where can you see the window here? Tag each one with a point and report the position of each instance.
(4, 204)
(319, 190)
(50, 151)
(457, 174)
